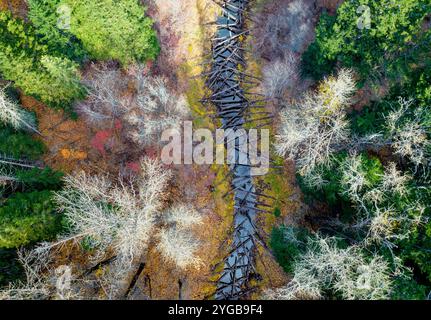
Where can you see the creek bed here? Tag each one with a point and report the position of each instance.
(229, 99)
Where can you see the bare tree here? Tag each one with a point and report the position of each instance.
(144, 103)
(175, 9)
(155, 109)
(325, 267)
(115, 219)
(179, 247)
(6, 176)
(104, 100)
(288, 28)
(9, 161)
(316, 126)
(177, 243)
(378, 216)
(182, 216)
(394, 180)
(42, 281)
(281, 77)
(409, 133)
(119, 220)
(36, 286)
(354, 178)
(118, 217)
(16, 117)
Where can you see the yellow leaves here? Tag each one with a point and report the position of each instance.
(73, 154)
(190, 48)
(100, 272)
(334, 93)
(328, 96)
(65, 153)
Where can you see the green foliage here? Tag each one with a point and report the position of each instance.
(408, 289)
(26, 218)
(371, 119)
(418, 87)
(417, 249)
(394, 44)
(414, 249)
(372, 167)
(88, 244)
(318, 61)
(28, 62)
(114, 29)
(45, 17)
(395, 48)
(11, 269)
(40, 179)
(19, 144)
(41, 57)
(12, 93)
(332, 173)
(423, 88)
(59, 83)
(288, 243)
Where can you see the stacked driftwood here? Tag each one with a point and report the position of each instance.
(236, 106)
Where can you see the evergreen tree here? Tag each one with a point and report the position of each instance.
(27, 218)
(392, 44)
(52, 28)
(27, 62)
(114, 29)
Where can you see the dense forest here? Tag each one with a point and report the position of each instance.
(88, 210)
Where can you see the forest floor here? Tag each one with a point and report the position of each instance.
(73, 144)
(184, 40)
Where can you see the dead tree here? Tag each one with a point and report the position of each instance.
(18, 118)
